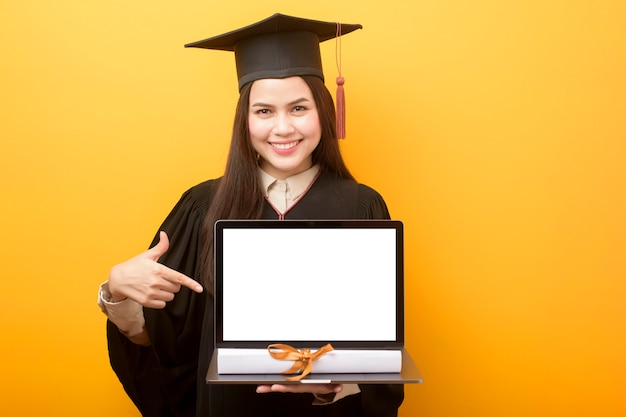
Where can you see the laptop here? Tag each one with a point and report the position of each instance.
(308, 283)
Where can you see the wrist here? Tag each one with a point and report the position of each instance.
(111, 297)
(114, 299)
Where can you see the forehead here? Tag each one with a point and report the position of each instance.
(279, 89)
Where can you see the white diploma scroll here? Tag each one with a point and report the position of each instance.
(259, 361)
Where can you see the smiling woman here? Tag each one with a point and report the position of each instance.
(284, 163)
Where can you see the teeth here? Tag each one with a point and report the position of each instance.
(284, 146)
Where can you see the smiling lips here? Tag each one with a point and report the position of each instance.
(284, 146)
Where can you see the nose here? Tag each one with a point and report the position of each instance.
(283, 125)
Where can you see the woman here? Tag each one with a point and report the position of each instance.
(284, 162)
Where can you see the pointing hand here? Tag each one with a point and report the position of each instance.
(148, 282)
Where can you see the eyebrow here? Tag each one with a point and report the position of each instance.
(293, 103)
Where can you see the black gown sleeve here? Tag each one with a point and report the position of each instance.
(377, 400)
(137, 369)
(161, 379)
(370, 204)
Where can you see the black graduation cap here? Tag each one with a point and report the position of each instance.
(279, 46)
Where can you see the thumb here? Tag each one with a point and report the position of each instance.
(160, 248)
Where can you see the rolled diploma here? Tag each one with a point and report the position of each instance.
(258, 361)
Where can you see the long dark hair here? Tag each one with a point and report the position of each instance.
(239, 194)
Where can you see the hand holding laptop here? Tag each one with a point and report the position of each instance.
(146, 281)
(319, 389)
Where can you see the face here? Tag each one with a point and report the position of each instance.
(284, 125)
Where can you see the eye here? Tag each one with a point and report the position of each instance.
(299, 109)
(262, 112)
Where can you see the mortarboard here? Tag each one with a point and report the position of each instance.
(281, 46)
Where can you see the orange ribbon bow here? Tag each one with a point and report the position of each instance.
(303, 358)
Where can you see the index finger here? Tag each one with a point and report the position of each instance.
(182, 279)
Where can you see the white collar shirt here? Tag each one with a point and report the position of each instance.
(282, 194)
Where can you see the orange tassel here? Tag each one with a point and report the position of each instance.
(341, 109)
(340, 96)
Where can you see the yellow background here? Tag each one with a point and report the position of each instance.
(494, 129)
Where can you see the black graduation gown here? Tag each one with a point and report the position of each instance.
(168, 377)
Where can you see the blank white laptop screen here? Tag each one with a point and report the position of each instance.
(322, 283)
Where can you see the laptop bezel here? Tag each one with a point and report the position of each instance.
(396, 225)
